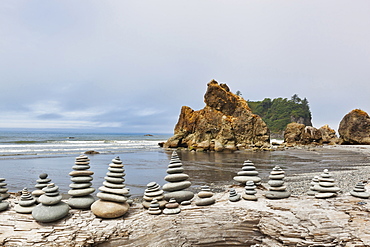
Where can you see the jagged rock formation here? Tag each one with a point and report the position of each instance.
(355, 128)
(340, 221)
(297, 133)
(225, 123)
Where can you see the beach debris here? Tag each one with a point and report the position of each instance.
(26, 203)
(42, 182)
(205, 196)
(172, 207)
(81, 189)
(233, 195)
(314, 182)
(3, 190)
(250, 192)
(248, 173)
(112, 201)
(277, 189)
(51, 207)
(152, 192)
(91, 152)
(177, 184)
(326, 186)
(360, 191)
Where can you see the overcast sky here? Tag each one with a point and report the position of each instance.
(130, 65)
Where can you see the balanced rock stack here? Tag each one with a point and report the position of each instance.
(177, 181)
(3, 204)
(248, 173)
(154, 208)
(205, 197)
(51, 208)
(172, 207)
(277, 189)
(326, 187)
(360, 191)
(250, 191)
(314, 182)
(81, 188)
(42, 182)
(3, 190)
(112, 195)
(233, 195)
(152, 192)
(26, 204)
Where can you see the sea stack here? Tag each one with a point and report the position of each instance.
(326, 187)
(177, 181)
(112, 201)
(26, 204)
(277, 189)
(360, 191)
(250, 191)
(81, 189)
(314, 182)
(248, 173)
(42, 182)
(51, 208)
(152, 192)
(233, 195)
(172, 207)
(205, 197)
(3, 190)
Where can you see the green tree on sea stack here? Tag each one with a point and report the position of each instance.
(279, 112)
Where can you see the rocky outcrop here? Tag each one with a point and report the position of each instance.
(300, 134)
(355, 128)
(225, 123)
(296, 221)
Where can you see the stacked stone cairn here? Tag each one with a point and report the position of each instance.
(205, 196)
(172, 207)
(233, 195)
(26, 203)
(152, 192)
(314, 182)
(360, 191)
(3, 204)
(154, 208)
(42, 182)
(3, 190)
(326, 187)
(177, 181)
(277, 189)
(51, 207)
(112, 201)
(250, 191)
(81, 189)
(248, 173)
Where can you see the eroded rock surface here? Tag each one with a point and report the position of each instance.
(225, 123)
(296, 133)
(296, 221)
(355, 128)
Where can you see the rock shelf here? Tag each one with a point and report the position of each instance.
(294, 221)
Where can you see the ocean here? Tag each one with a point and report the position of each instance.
(26, 154)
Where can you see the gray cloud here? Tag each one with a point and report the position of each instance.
(134, 64)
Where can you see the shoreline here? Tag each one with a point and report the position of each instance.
(299, 219)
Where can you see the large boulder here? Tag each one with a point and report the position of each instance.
(299, 134)
(355, 128)
(225, 123)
